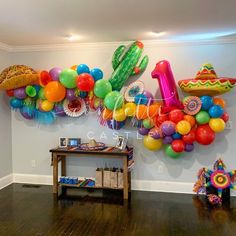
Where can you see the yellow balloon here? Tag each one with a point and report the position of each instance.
(217, 124)
(183, 127)
(119, 115)
(130, 109)
(151, 143)
(46, 105)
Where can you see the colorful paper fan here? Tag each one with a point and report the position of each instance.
(74, 108)
(207, 83)
(132, 90)
(192, 105)
(220, 179)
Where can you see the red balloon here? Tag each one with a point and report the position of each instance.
(45, 78)
(85, 82)
(225, 117)
(161, 118)
(190, 137)
(205, 135)
(10, 92)
(178, 145)
(176, 115)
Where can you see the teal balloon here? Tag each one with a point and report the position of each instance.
(41, 94)
(202, 117)
(113, 100)
(16, 103)
(82, 68)
(102, 88)
(68, 78)
(96, 73)
(170, 152)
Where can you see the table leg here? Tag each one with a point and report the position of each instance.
(125, 179)
(63, 166)
(55, 173)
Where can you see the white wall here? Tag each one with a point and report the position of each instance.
(32, 142)
(5, 125)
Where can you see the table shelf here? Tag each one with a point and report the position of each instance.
(90, 187)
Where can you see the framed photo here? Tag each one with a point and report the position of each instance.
(62, 142)
(73, 142)
(121, 143)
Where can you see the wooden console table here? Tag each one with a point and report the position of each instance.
(60, 155)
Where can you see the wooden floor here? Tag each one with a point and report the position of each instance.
(33, 210)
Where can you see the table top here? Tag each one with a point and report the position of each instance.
(105, 151)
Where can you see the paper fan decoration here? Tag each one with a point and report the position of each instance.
(74, 108)
(192, 105)
(206, 82)
(132, 90)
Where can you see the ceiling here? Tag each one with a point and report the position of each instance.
(34, 22)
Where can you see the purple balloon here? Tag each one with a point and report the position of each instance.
(168, 127)
(149, 96)
(70, 94)
(55, 72)
(59, 110)
(20, 93)
(167, 140)
(155, 133)
(189, 147)
(143, 131)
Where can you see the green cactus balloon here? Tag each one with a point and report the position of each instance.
(125, 66)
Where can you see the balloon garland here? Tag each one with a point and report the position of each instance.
(176, 125)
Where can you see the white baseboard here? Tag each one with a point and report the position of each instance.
(5, 181)
(32, 179)
(141, 185)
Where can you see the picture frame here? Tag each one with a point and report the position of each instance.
(62, 142)
(73, 142)
(121, 142)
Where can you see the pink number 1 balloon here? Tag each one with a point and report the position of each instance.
(167, 86)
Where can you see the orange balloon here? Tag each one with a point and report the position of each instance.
(74, 67)
(190, 119)
(153, 110)
(54, 91)
(219, 101)
(107, 114)
(141, 112)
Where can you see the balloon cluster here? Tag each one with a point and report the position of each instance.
(46, 100)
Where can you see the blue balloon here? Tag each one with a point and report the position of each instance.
(37, 87)
(97, 74)
(207, 102)
(83, 94)
(16, 103)
(82, 68)
(176, 136)
(216, 111)
(140, 99)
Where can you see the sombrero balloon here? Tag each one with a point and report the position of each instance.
(207, 83)
(74, 108)
(132, 90)
(17, 76)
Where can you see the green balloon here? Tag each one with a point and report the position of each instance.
(170, 152)
(114, 100)
(202, 117)
(30, 91)
(102, 88)
(68, 78)
(148, 123)
(41, 94)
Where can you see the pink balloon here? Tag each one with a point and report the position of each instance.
(167, 86)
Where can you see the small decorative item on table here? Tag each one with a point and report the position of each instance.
(107, 178)
(92, 145)
(99, 177)
(73, 142)
(62, 142)
(121, 143)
